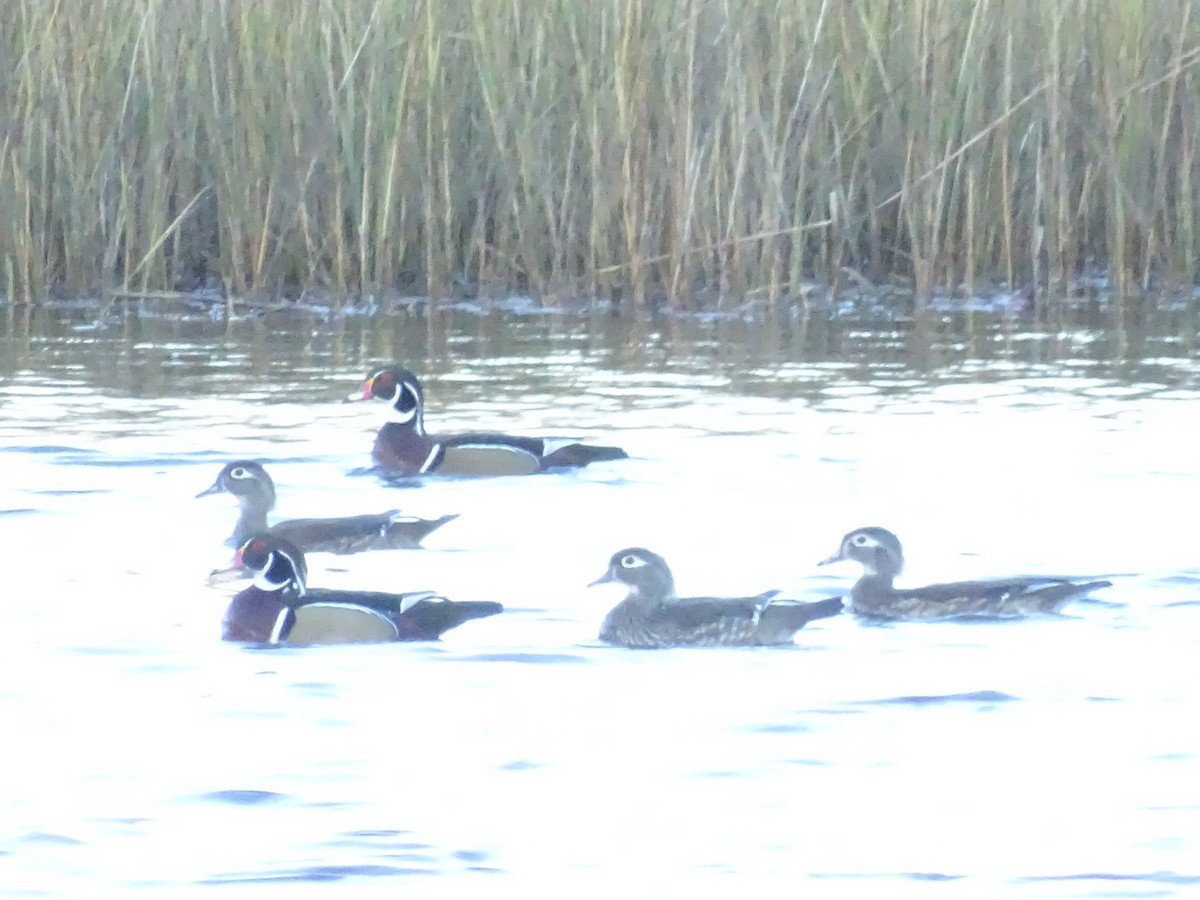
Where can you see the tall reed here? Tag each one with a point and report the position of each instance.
(705, 150)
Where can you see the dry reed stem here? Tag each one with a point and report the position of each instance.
(699, 149)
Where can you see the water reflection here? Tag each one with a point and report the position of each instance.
(291, 353)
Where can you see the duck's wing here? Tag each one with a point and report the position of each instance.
(708, 621)
(353, 534)
(339, 623)
(993, 597)
(485, 454)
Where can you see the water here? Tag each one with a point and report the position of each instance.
(1053, 757)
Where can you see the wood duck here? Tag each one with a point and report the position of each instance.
(653, 616)
(280, 608)
(255, 492)
(881, 556)
(403, 446)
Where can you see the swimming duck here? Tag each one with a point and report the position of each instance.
(652, 616)
(280, 608)
(249, 482)
(403, 446)
(881, 556)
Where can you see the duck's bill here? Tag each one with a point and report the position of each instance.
(232, 572)
(363, 393)
(837, 557)
(215, 489)
(606, 578)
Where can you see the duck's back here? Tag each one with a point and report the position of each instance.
(1004, 597)
(690, 622)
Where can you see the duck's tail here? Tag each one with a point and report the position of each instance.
(575, 455)
(783, 618)
(430, 619)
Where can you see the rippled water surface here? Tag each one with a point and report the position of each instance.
(1054, 757)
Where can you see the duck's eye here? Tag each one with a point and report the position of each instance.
(239, 472)
(384, 379)
(860, 540)
(629, 561)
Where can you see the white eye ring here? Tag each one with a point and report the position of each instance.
(629, 561)
(239, 472)
(860, 540)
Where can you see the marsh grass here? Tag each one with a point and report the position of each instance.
(705, 150)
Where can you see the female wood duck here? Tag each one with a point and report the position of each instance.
(403, 446)
(280, 608)
(652, 616)
(882, 558)
(255, 492)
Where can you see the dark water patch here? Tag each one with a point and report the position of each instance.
(811, 763)
(520, 765)
(46, 837)
(410, 853)
(48, 449)
(380, 833)
(935, 699)
(243, 797)
(398, 844)
(1179, 579)
(18, 512)
(1178, 756)
(319, 873)
(912, 876)
(779, 728)
(1094, 601)
(1102, 699)
(65, 493)
(1171, 878)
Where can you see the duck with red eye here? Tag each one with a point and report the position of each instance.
(880, 554)
(249, 482)
(280, 608)
(402, 444)
(653, 616)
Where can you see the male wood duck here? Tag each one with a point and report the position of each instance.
(652, 616)
(255, 492)
(403, 446)
(280, 608)
(881, 556)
